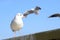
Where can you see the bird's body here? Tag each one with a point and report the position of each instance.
(17, 23)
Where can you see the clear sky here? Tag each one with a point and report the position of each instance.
(33, 23)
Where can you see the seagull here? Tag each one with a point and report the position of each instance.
(33, 10)
(55, 15)
(17, 22)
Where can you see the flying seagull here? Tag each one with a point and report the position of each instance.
(55, 15)
(33, 10)
(17, 22)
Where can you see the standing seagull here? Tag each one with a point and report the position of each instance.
(55, 15)
(17, 22)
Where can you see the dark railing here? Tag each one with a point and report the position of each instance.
(47, 35)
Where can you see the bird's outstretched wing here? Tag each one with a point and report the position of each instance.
(28, 12)
(34, 10)
(55, 15)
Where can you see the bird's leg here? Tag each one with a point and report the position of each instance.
(15, 34)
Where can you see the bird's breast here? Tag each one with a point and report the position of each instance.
(19, 21)
(17, 24)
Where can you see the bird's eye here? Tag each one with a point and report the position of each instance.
(18, 15)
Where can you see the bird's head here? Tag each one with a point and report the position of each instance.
(37, 8)
(18, 15)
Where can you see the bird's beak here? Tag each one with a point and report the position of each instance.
(40, 8)
(24, 16)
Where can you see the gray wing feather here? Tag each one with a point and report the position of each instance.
(28, 12)
(35, 10)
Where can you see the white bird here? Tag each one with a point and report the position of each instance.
(17, 22)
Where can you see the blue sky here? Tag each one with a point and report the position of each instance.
(33, 23)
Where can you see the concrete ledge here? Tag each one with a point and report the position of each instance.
(47, 35)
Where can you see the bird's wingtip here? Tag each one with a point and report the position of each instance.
(49, 17)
